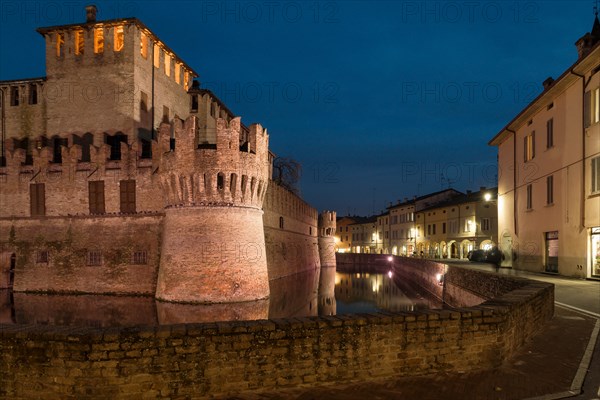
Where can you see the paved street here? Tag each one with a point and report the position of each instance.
(578, 293)
(575, 294)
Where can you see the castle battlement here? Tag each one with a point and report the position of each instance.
(222, 174)
(327, 223)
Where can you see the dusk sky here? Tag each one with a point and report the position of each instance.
(377, 100)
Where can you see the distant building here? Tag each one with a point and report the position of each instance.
(364, 237)
(452, 228)
(549, 173)
(343, 234)
(444, 224)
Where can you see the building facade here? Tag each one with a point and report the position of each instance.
(119, 174)
(452, 228)
(549, 173)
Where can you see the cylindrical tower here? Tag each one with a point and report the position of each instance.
(327, 226)
(213, 243)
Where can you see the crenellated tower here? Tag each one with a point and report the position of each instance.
(213, 244)
(327, 226)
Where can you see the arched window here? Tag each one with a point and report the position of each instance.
(280, 222)
(220, 181)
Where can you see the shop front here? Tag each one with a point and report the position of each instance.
(595, 252)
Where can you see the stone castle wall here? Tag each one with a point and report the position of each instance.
(198, 360)
(290, 226)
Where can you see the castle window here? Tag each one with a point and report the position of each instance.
(143, 45)
(140, 257)
(60, 41)
(194, 99)
(79, 42)
(146, 148)
(42, 257)
(167, 64)
(178, 73)
(244, 184)
(156, 56)
(127, 189)
(33, 98)
(96, 197)
(252, 186)
(56, 149)
(119, 38)
(213, 109)
(280, 222)
(233, 184)
(94, 258)
(143, 101)
(14, 95)
(37, 199)
(220, 181)
(186, 79)
(98, 40)
(85, 142)
(115, 145)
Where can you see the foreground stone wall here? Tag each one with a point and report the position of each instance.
(196, 360)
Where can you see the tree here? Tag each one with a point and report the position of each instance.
(287, 173)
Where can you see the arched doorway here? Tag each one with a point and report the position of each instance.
(452, 249)
(465, 247)
(486, 245)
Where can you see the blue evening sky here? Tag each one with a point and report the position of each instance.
(378, 100)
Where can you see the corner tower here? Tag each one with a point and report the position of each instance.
(327, 226)
(213, 244)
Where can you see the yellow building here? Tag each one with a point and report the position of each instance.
(549, 173)
(452, 228)
(343, 234)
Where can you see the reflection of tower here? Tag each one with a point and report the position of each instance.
(327, 227)
(213, 244)
(327, 305)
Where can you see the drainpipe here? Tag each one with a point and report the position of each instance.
(515, 218)
(582, 200)
(3, 125)
(152, 136)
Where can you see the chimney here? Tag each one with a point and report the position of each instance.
(90, 13)
(548, 82)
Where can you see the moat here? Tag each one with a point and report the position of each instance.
(349, 290)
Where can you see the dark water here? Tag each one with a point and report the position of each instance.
(311, 293)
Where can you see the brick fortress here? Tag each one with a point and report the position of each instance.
(121, 175)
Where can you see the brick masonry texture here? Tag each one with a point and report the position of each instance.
(197, 360)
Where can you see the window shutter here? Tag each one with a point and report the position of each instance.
(532, 145)
(100, 197)
(41, 199)
(525, 149)
(587, 109)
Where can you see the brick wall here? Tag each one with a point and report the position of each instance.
(218, 358)
(68, 242)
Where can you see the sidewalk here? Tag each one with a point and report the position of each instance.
(548, 367)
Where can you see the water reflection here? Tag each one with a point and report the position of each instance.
(373, 289)
(315, 292)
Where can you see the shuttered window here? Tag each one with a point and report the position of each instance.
(96, 194)
(127, 196)
(37, 199)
